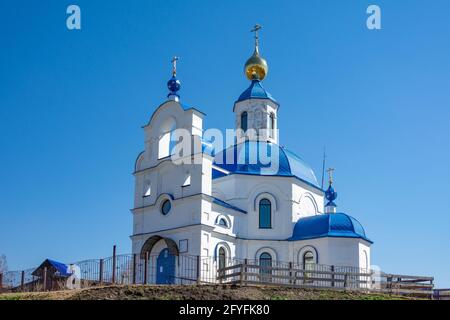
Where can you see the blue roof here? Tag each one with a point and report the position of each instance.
(252, 157)
(207, 147)
(256, 91)
(60, 267)
(227, 205)
(338, 225)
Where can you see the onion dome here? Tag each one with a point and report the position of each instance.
(256, 67)
(331, 195)
(174, 85)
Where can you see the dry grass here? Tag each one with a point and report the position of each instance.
(204, 292)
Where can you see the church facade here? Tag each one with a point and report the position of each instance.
(230, 203)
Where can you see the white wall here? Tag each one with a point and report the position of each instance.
(258, 111)
(291, 199)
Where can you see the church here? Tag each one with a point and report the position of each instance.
(230, 203)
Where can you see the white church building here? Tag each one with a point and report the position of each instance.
(230, 203)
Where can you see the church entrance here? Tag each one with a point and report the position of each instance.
(165, 268)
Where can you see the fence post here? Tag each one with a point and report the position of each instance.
(146, 267)
(134, 269)
(22, 279)
(346, 281)
(1, 281)
(100, 276)
(114, 265)
(241, 274)
(221, 274)
(432, 289)
(45, 279)
(198, 269)
(332, 276)
(389, 284)
(245, 270)
(291, 281)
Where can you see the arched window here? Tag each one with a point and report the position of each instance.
(167, 139)
(265, 262)
(271, 124)
(222, 258)
(308, 264)
(265, 214)
(244, 121)
(308, 258)
(223, 222)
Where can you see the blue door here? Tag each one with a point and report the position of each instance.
(165, 268)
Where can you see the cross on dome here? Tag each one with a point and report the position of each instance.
(255, 29)
(174, 65)
(174, 85)
(330, 175)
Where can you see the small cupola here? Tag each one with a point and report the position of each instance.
(174, 85)
(330, 194)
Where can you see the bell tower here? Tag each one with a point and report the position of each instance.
(256, 110)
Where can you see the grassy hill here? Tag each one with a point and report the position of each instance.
(205, 292)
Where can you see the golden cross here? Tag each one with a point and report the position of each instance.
(255, 29)
(330, 173)
(174, 65)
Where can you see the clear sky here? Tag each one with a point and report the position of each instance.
(72, 104)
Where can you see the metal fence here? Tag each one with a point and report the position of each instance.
(122, 269)
(128, 269)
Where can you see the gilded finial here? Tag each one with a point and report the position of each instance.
(256, 67)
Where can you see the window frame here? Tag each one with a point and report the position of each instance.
(269, 205)
(244, 115)
(268, 257)
(166, 201)
(224, 224)
(220, 255)
(271, 125)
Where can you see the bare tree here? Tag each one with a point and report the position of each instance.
(3, 264)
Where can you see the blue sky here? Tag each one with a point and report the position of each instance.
(72, 104)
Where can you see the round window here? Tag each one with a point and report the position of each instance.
(166, 206)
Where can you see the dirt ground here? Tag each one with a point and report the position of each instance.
(203, 292)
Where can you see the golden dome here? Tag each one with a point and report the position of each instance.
(256, 67)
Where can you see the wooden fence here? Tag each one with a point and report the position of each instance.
(325, 277)
(442, 294)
